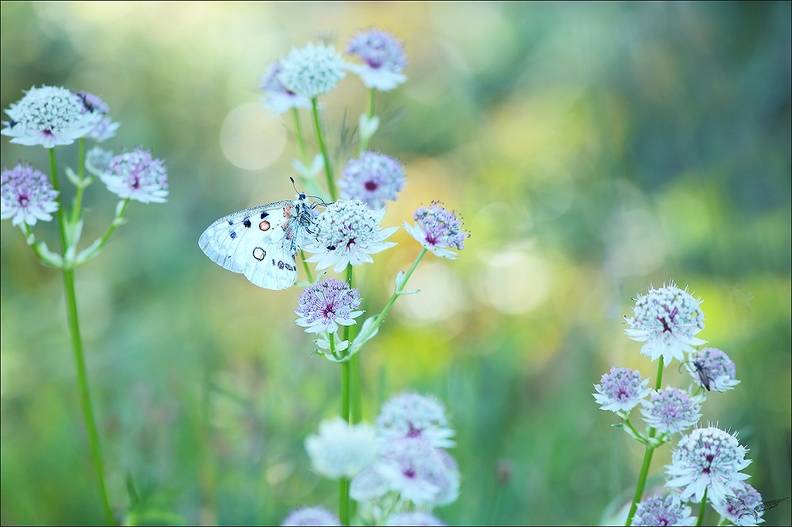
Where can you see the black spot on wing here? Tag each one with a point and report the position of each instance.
(233, 235)
(246, 222)
(264, 214)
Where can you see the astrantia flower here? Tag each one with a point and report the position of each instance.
(707, 459)
(49, 116)
(348, 233)
(137, 175)
(744, 507)
(658, 510)
(278, 97)
(418, 471)
(312, 70)
(383, 59)
(26, 195)
(670, 411)
(667, 320)
(97, 160)
(415, 415)
(105, 128)
(712, 369)
(621, 390)
(373, 178)
(311, 516)
(438, 230)
(326, 304)
(340, 449)
(414, 518)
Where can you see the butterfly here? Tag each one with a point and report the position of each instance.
(261, 242)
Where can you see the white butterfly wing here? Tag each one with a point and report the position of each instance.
(252, 242)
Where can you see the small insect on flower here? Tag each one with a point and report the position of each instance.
(696, 368)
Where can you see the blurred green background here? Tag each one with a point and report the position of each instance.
(593, 150)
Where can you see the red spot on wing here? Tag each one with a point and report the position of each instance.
(264, 225)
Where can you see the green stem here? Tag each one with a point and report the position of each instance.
(702, 509)
(647, 460)
(354, 366)
(92, 251)
(400, 288)
(85, 396)
(364, 141)
(343, 502)
(75, 216)
(79, 358)
(307, 268)
(328, 169)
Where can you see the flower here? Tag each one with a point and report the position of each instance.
(311, 516)
(383, 57)
(340, 449)
(438, 230)
(26, 195)
(621, 390)
(707, 459)
(326, 304)
(49, 116)
(670, 411)
(276, 96)
(348, 232)
(97, 161)
(105, 128)
(712, 369)
(744, 507)
(415, 518)
(418, 471)
(137, 175)
(658, 510)
(373, 178)
(312, 70)
(415, 415)
(667, 320)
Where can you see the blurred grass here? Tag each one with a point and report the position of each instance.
(592, 149)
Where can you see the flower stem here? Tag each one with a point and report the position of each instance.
(343, 504)
(79, 358)
(702, 509)
(75, 217)
(328, 169)
(97, 246)
(364, 140)
(647, 460)
(85, 396)
(400, 288)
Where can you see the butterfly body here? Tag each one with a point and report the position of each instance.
(261, 242)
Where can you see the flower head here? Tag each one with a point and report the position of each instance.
(372, 179)
(97, 160)
(415, 415)
(340, 449)
(383, 59)
(326, 304)
(707, 459)
(278, 97)
(670, 411)
(744, 507)
(438, 230)
(49, 116)
(348, 233)
(419, 472)
(414, 518)
(667, 320)
(312, 70)
(311, 516)
(26, 195)
(105, 128)
(137, 175)
(658, 510)
(621, 390)
(712, 369)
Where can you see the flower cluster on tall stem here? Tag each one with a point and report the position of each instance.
(53, 116)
